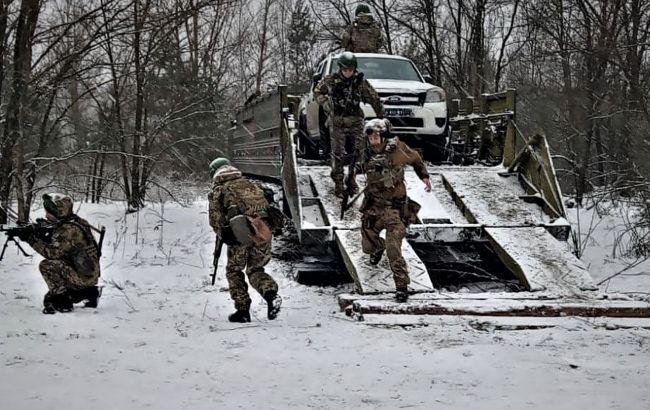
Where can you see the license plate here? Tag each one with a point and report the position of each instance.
(398, 112)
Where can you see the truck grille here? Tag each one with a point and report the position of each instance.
(389, 99)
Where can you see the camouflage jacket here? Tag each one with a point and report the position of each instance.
(363, 36)
(231, 195)
(346, 94)
(70, 240)
(385, 170)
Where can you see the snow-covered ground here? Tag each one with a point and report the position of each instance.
(160, 339)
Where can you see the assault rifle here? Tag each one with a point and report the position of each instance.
(218, 245)
(18, 231)
(349, 182)
(345, 205)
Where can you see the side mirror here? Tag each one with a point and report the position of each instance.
(316, 78)
(428, 78)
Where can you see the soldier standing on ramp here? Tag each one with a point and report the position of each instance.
(340, 95)
(239, 214)
(385, 204)
(364, 35)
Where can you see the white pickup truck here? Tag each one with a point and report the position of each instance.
(416, 108)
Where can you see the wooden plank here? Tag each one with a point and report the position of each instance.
(505, 323)
(539, 261)
(500, 307)
(374, 279)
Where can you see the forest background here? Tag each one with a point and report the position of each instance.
(106, 99)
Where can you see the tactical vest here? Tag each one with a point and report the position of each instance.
(246, 210)
(363, 37)
(246, 196)
(85, 259)
(382, 175)
(346, 96)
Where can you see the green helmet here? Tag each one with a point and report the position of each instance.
(347, 60)
(362, 8)
(59, 205)
(217, 164)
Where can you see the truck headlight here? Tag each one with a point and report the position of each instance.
(435, 95)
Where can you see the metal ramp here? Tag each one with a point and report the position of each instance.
(519, 231)
(347, 233)
(477, 200)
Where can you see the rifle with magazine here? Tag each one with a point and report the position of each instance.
(40, 228)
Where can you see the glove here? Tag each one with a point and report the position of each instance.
(327, 107)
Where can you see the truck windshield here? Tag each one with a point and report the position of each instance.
(384, 69)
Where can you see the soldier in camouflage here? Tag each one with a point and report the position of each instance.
(364, 35)
(71, 265)
(232, 196)
(385, 204)
(340, 95)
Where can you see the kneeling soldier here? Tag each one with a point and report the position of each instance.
(71, 265)
(385, 204)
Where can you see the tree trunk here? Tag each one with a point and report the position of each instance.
(13, 133)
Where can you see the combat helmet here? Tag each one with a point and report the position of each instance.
(347, 60)
(59, 205)
(216, 164)
(362, 9)
(382, 125)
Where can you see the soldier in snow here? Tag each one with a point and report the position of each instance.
(385, 204)
(71, 265)
(239, 214)
(340, 95)
(364, 35)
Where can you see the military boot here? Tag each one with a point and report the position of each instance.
(273, 304)
(53, 303)
(240, 316)
(90, 294)
(63, 303)
(48, 304)
(401, 295)
(375, 257)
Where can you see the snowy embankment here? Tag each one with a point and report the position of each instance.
(160, 339)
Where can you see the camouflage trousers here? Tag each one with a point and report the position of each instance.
(346, 135)
(373, 221)
(253, 258)
(61, 277)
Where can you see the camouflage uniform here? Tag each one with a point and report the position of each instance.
(363, 36)
(231, 189)
(341, 97)
(71, 264)
(386, 206)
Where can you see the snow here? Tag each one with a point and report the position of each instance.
(163, 341)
